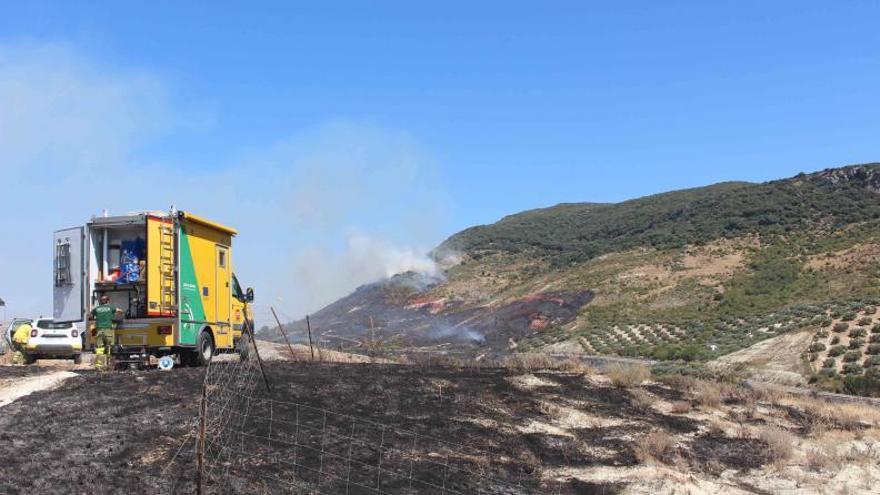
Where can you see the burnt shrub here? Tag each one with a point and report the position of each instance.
(851, 356)
(858, 332)
(836, 350)
(840, 327)
(817, 347)
(856, 343)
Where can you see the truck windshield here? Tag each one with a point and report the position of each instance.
(236, 289)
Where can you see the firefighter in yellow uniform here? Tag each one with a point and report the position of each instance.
(105, 328)
(19, 342)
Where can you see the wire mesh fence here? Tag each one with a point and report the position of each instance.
(253, 442)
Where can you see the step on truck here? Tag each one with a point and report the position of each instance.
(169, 272)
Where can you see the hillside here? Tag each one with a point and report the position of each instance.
(691, 274)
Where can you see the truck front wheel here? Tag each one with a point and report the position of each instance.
(204, 349)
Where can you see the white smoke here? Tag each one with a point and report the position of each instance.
(322, 275)
(382, 259)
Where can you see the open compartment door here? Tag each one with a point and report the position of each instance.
(161, 275)
(69, 288)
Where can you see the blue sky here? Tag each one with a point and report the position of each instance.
(401, 122)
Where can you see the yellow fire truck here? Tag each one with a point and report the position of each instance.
(170, 273)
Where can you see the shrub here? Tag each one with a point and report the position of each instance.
(656, 446)
(868, 386)
(874, 339)
(869, 310)
(835, 340)
(848, 316)
(856, 343)
(840, 327)
(824, 321)
(875, 328)
(829, 363)
(814, 356)
(857, 332)
(873, 349)
(836, 350)
(864, 322)
(872, 361)
(852, 369)
(817, 347)
(778, 442)
(823, 373)
(821, 334)
(851, 356)
(627, 375)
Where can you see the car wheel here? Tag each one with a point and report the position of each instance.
(204, 349)
(78, 359)
(29, 358)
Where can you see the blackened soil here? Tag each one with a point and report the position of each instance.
(734, 453)
(121, 432)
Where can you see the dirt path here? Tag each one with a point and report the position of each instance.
(774, 360)
(15, 388)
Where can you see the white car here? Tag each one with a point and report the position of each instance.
(50, 340)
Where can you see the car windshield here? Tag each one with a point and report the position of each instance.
(51, 325)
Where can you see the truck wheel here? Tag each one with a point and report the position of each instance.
(244, 347)
(78, 359)
(28, 358)
(204, 349)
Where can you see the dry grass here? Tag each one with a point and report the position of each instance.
(821, 460)
(707, 394)
(526, 363)
(656, 446)
(681, 407)
(641, 399)
(572, 365)
(627, 375)
(821, 414)
(779, 443)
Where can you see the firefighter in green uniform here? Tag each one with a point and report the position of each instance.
(105, 315)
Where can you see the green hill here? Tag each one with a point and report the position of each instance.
(569, 233)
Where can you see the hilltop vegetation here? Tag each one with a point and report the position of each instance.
(570, 233)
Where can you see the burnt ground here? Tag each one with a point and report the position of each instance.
(401, 312)
(120, 432)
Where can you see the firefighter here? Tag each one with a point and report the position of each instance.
(19, 343)
(104, 316)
